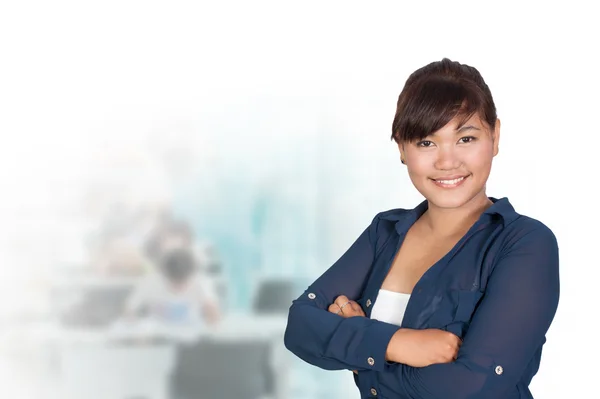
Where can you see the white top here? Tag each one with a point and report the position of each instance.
(390, 307)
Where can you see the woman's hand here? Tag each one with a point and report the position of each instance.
(344, 307)
(416, 348)
(421, 348)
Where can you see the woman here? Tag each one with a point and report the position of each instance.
(451, 299)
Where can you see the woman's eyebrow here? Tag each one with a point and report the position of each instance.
(462, 129)
(465, 128)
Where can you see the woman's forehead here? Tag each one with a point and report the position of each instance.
(459, 124)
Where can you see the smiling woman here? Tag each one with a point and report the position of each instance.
(451, 157)
(451, 299)
(447, 132)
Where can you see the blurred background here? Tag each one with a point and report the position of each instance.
(173, 174)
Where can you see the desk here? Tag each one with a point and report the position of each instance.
(234, 326)
(102, 363)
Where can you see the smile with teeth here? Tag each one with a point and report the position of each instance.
(450, 183)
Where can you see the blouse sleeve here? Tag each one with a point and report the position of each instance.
(506, 331)
(327, 340)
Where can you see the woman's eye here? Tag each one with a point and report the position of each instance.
(467, 139)
(425, 143)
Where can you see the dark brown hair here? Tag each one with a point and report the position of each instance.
(178, 264)
(436, 93)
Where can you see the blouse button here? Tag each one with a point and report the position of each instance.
(371, 361)
(312, 296)
(499, 370)
(368, 302)
(373, 392)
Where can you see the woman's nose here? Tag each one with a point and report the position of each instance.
(447, 159)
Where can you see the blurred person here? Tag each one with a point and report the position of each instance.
(172, 234)
(168, 234)
(175, 292)
(451, 299)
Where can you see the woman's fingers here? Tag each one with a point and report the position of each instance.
(357, 309)
(345, 307)
(341, 301)
(334, 308)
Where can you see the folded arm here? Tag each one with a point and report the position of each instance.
(327, 340)
(506, 331)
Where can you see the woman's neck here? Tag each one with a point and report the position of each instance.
(445, 222)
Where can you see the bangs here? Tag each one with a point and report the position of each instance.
(426, 106)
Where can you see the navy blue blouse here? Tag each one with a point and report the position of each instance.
(497, 289)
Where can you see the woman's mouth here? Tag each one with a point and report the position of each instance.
(450, 182)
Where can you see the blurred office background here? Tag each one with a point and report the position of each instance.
(175, 173)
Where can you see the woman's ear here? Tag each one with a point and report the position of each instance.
(496, 137)
(402, 153)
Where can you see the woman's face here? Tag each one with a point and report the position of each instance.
(450, 167)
